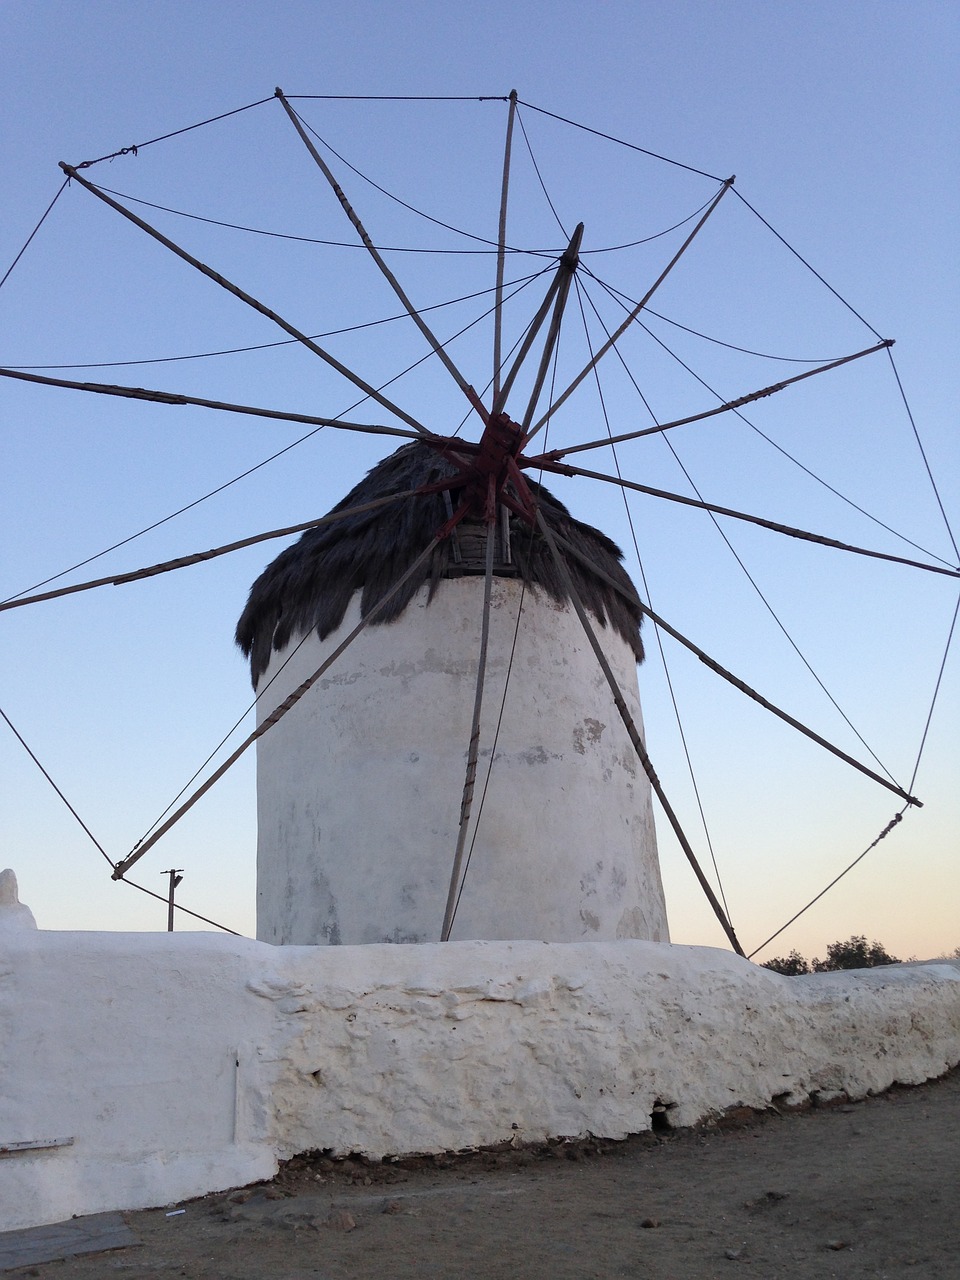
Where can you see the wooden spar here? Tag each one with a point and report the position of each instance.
(533, 329)
(782, 715)
(237, 292)
(634, 733)
(502, 247)
(498, 295)
(723, 408)
(568, 266)
(391, 279)
(473, 752)
(137, 853)
(740, 684)
(564, 395)
(199, 557)
(556, 294)
(563, 469)
(174, 397)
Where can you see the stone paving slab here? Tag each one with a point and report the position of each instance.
(91, 1234)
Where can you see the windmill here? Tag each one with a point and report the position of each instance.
(494, 490)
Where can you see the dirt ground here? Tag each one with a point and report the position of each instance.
(850, 1190)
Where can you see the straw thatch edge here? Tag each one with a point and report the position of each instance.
(309, 585)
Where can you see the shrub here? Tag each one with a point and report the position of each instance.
(855, 953)
(790, 965)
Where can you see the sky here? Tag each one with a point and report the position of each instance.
(839, 122)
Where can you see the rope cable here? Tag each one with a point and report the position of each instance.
(164, 137)
(356, 222)
(730, 346)
(632, 315)
(656, 235)
(897, 818)
(26, 243)
(493, 752)
(371, 324)
(800, 258)
(473, 748)
(248, 299)
(936, 694)
(33, 757)
(177, 907)
(543, 185)
(394, 248)
(923, 453)
(283, 342)
(807, 470)
(331, 244)
(396, 97)
(172, 516)
(631, 146)
(802, 535)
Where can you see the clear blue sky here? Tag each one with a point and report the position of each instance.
(840, 122)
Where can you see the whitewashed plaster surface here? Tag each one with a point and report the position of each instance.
(185, 1063)
(359, 785)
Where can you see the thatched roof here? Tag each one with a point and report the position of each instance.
(310, 584)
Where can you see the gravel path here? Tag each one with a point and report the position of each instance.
(869, 1189)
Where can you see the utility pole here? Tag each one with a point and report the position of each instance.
(175, 878)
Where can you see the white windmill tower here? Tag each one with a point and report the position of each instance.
(360, 783)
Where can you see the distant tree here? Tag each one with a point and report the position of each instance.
(791, 965)
(855, 953)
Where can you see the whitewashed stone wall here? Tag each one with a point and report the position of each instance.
(177, 1064)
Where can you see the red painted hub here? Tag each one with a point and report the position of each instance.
(489, 467)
